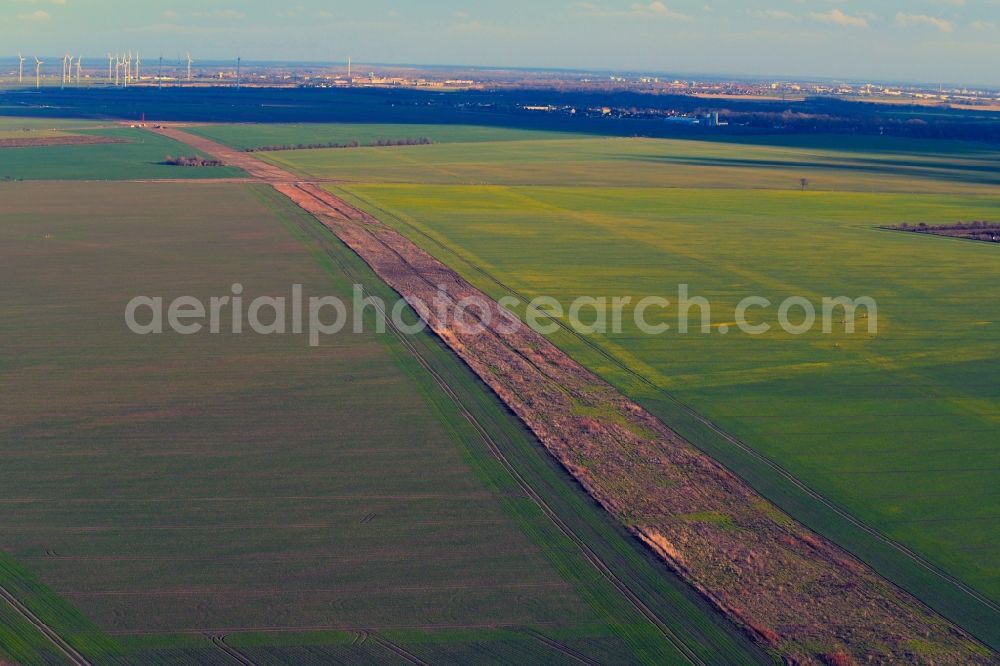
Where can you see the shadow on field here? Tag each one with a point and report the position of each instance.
(979, 174)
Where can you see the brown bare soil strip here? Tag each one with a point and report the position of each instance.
(68, 140)
(795, 592)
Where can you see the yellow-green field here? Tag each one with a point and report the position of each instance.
(898, 429)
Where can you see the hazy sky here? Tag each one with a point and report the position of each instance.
(925, 40)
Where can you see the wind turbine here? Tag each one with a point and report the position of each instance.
(79, 63)
(127, 68)
(118, 69)
(138, 61)
(38, 73)
(20, 68)
(111, 60)
(189, 66)
(238, 71)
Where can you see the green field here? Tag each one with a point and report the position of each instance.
(189, 494)
(138, 159)
(280, 134)
(898, 429)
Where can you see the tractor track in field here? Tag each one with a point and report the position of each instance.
(65, 648)
(399, 651)
(355, 629)
(559, 647)
(592, 557)
(219, 641)
(792, 590)
(777, 468)
(217, 593)
(416, 497)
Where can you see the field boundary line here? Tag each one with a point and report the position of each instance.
(74, 656)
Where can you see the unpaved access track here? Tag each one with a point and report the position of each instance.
(796, 593)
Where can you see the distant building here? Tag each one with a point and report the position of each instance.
(712, 119)
(682, 120)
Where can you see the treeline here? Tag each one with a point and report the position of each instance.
(353, 143)
(191, 161)
(864, 119)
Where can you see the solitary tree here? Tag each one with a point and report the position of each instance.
(804, 182)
